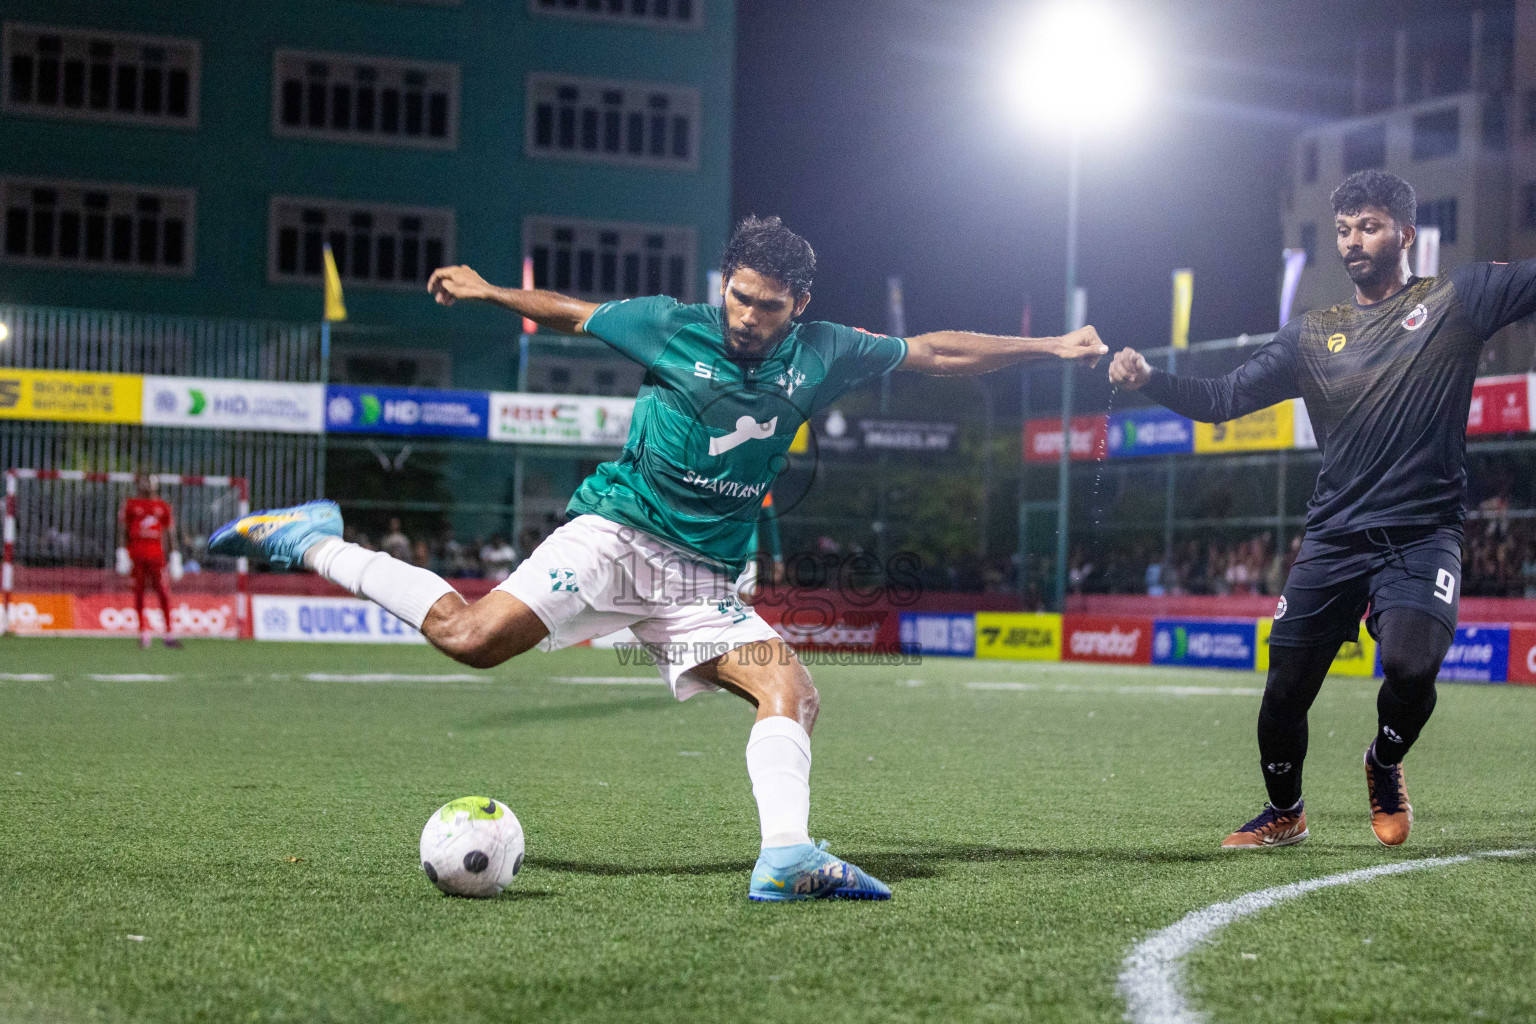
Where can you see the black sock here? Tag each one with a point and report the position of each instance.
(1295, 676)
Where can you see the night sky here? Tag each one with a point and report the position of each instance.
(879, 131)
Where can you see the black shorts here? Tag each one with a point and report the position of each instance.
(1335, 579)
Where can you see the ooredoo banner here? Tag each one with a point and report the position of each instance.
(1522, 654)
(1104, 638)
(191, 615)
(1042, 438)
(342, 620)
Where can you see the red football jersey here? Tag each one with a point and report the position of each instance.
(146, 521)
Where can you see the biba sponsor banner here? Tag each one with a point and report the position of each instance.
(1353, 659)
(1522, 654)
(946, 633)
(1042, 438)
(191, 615)
(343, 620)
(39, 613)
(1266, 429)
(1479, 654)
(1018, 636)
(559, 419)
(70, 397)
(1204, 643)
(234, 405)
(1106, 639)
(1500, 405)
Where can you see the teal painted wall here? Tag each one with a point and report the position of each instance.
(236, 163)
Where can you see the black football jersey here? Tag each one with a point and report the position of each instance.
(1387, 387)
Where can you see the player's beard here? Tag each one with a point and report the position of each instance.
(1374, 269)
(742, 344)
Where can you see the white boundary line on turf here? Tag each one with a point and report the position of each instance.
(129, 677)
(26, 677)
(1172, 691)
(388, 677)
(1152, 972)
(609, 680)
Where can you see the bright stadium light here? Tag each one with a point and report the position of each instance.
(5, 332)
(1078, 65)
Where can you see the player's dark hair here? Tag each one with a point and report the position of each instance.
(1381, 190)
(765, 245)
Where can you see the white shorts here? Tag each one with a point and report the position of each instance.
(593, 577)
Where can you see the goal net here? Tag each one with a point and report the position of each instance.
(59, 573)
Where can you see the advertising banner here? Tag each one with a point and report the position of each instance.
(909, 436)
(70, 397)
(948, 634)
(1353, 659)
(1479, 654)
(1018, 636)
(559, 419)
(1264, 430)
(822, 627)
(412, 412)
(1149, 432)
(191, 615)
(335, 620)
(1104, 638)
(1500, 405)
(1522, 654)
(1042, 438)
(39, 613)
(1204, 643)
(234, 405)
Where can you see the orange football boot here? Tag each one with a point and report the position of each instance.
(1391, 813)
(1270, 828)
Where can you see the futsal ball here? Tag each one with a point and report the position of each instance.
(472, 846)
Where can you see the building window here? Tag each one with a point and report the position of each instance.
(1440, 213)
(1308, 240)
(125, 228)
(612, 122)
(100, 76)
(1365, 147)
(375, 244)
(1495, 124)
(365, 99)
(660, 13)
(1309, 161)
(1437, 134)
(599, 261)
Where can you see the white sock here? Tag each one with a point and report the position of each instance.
(779, 764)
(405, 591)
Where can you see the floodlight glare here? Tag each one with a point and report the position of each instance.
(1079, 65)
(5, 332)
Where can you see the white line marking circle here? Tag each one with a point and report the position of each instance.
(1152, 972)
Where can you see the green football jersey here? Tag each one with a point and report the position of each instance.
(710, 433)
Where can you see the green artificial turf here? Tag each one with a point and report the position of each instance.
(258, 829)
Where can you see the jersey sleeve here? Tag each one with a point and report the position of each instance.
(637, 328)
(1268, 377)
(1496, 294)
(856, 357)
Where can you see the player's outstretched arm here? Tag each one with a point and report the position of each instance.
(1266, 378)
(547, 309)
(958, 353)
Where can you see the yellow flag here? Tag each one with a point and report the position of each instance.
(335, 308)
(1183, 298)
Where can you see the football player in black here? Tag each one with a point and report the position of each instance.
(1387, 380)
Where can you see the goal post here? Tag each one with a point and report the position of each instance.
(58, 572)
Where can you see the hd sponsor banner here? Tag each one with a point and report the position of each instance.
(1501, 405)
(1356, 658)
(70, 397)
(337, 620)
(946, 633)
(234, 405)
(1042, 438)
(1105, 638)
(1149, 432)
(559, 419)
(1204, 643)
(1479, 654)
(1522, 654)
(1266, 429)
(1018, 636)
(420, 412)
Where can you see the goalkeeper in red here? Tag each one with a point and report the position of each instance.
(147, 525)
(1387, 379)
(657, 538)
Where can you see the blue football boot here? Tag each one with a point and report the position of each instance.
(807, 872)
(279, 536)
